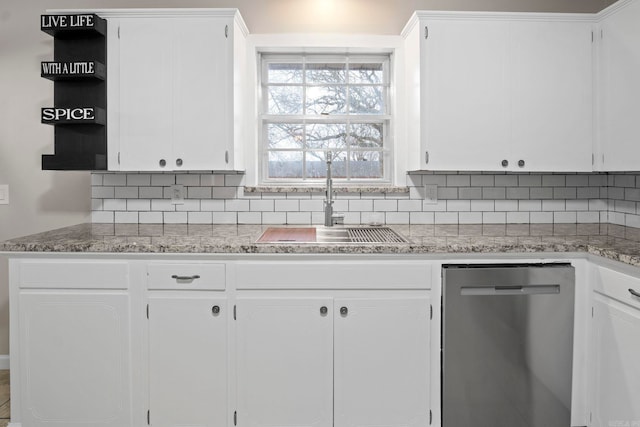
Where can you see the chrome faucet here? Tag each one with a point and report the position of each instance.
(330, 219)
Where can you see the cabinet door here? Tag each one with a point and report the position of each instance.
(285, 362)
(381, 362)
(464, 94)
(188, 361)
(620, 88)
(550, 64)
(201, 113)
(145, 105)
(75, 365)
(616, 373)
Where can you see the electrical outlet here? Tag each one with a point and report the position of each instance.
(177, 194)
(4, 194)
(431, 194)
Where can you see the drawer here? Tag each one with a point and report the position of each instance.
(334, 275)
(189, 276)
(73, 274)
(617, 285)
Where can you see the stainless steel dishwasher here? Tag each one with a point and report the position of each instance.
(507, 345)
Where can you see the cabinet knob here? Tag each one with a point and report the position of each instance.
(215, 310)
(344, 311)
(505, 163)
(162, 163)
(323, 311)
(178, 162)
(521, 163)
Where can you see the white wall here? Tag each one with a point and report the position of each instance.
(43, 200)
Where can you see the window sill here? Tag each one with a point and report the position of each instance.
(337, 189)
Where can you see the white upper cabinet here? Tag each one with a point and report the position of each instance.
(619, 88)
(173, 90)
(499, 92)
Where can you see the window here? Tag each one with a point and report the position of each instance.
(313, 105)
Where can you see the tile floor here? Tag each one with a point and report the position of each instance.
(4, 398)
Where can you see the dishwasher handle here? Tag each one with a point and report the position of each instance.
(510, 290)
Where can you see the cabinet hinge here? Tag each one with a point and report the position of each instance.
(147, 311)
(235, 418)
(426, 32)
(148, 417)
(226, 31)
(426, 157)
(234, 312)
(430, 416)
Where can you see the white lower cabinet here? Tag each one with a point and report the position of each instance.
(188, 360)
(381, 357)
(615, 340)
(75, 363)
(324, 361)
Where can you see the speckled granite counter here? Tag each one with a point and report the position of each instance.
(610, 241)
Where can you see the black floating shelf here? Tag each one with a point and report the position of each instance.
(75, 70)
(72, 26)
(73, 116)
(77, 162)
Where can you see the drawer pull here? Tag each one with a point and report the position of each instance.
(185, 278)
(634, 293)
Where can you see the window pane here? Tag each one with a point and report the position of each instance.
(326, 136)
(326, 100)
(366, 100)
(285, 135)
(285, 100)
(366, 135)
(316, 163)
(284, 73)
(366, 73)
(366, 164)
(326, 73)
(285, 164)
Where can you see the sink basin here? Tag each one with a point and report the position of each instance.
(338, 235)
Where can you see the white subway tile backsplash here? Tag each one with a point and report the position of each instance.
(126, 217)
(114, 204)
(175, 217)
(199, 218)
(463, 198)
(385, 205)
(421, 218)
(150, 217)
(362, 205)
(162, 180)
(298, 217)
(314, 205)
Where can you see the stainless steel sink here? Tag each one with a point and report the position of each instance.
(338, 235)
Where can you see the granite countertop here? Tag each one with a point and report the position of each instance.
(610, 241)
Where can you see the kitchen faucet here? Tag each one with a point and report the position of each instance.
(330, 219)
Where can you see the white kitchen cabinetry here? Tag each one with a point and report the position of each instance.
(285, 362)
(499, 92)
(188, 352)
(333, 361)
(71, 349)
(619, 87)
(615, 373)
(175, 89)
(188, 360)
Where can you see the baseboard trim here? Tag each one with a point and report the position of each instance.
(4, 361)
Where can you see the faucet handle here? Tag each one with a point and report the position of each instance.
(337, 218)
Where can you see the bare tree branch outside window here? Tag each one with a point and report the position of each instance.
(314, 104)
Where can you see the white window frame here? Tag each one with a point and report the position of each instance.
(383, 56)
